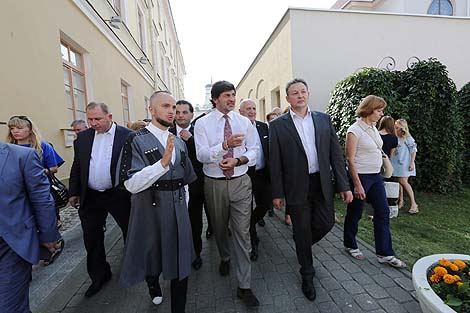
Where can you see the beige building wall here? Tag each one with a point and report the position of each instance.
(265, 80)
(327, 46)
(32, 77)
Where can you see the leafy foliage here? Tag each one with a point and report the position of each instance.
(464, 108)
(426, 97)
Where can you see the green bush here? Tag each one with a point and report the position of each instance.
(463, 97)
(426, 97)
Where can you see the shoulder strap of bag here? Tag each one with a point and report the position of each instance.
(373, 139)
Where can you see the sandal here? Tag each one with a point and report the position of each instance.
(413, 209)
(355, 253)
(392, 261)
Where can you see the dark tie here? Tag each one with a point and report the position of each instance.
(229, 154)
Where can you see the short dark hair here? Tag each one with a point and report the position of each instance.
(295, 81)
(219, 87)
(78, 122)
(101, 105)
(184, 102)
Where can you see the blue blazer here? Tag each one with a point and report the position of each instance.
(27, 213)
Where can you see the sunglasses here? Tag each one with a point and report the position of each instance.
(22, 117)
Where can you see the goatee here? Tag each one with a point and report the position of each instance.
(164, 123)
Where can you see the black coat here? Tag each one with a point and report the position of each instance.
(263, 133)
(78, 183)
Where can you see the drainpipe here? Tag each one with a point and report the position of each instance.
(468, 7)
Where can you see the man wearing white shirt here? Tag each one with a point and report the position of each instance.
(92, 191)
(226, 144)
(155, 167)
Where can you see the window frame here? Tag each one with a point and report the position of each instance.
(126, 98)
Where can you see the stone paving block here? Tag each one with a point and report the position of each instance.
(392, 272)
(351, 268)
(352, 287)
(323, 257)
(376, 291)
(321, 272)
(285, 302)
(325, 244)
(225, 305)
(284, 268)
(330, 284)
(322, 296)
(352, 308)
(405, 283)
(341, 297)
(328, 307)
(391, 305)
(362, 278)
(302, 305)
(383, 280)
(413, 307)
(366, 302)
(331, 265)
(341, 275)
(399, 294)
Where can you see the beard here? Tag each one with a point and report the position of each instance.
(164, 123)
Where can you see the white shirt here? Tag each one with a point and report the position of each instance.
(179, 129)
(368, 158)
(99, 174)
(306, 131)
(143, 179)
(209, 136)
(260, 160)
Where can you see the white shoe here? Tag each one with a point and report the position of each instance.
(157, 300)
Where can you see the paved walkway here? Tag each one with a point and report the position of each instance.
(342, 284)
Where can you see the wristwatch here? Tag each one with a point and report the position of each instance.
(239, 162)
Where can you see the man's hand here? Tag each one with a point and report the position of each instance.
(52, 246)
(170, 144)
(277, 203)
(235, 140)
(228, 164)
(346, 196)
(75, 201)
(185, 135)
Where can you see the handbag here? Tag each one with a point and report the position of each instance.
(392, 191)
(59, 192)
(386, 170)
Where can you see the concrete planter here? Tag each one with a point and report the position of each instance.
(428, 300)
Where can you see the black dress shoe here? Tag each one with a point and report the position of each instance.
(208, 234)
(308, 289)
(197, 263)
(261, 223)
(248, 297)
(96, 286)
(155, 293)
(224, 268)
(254, 252)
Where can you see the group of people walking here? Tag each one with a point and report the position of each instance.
(157, 181)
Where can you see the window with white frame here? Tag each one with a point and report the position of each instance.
(441, 7)
(125, 102)
(142, 29)
(74, 81)
(117, 6)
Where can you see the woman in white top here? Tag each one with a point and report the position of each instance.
(364, 157)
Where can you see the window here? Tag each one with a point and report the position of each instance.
(74, 81)
(441, 7)
(117, 6)
(147, 110)
(125, 102)
(141, 25)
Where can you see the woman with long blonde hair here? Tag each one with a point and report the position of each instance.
(23, 132)
(403, 162)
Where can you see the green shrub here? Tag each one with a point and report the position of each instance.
(463, 101)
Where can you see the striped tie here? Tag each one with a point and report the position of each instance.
(229, 154)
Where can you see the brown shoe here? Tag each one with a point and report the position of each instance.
(248, 297)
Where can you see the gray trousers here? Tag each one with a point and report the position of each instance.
(229, 201)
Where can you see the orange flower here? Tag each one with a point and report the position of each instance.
(460, 264)
(440, 271)
(444, 262)
(454, 267)
(457, 278)
(459, 284)
(449, 279)
(435, 278)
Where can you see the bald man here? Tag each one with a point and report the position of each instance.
(259, 174)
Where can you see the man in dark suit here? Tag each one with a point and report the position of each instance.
(259, 174)
(92, 191)
(185, 130)
(27, 219)
(305, 156)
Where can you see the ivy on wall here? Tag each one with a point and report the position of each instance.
(426, 97)
(463, 98)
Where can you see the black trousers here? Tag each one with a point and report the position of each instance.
(262, 193)
(93, 216)
(178, 290)
(195, 207)
(310, 222)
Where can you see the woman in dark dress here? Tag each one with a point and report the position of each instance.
(387, 132)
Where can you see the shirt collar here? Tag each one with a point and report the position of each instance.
(154, 129)
(178, 128)
(295, 115)
(364, 124)
(220, 114)
(110, 131)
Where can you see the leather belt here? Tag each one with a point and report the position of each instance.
(224, 178)
(168, 185)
